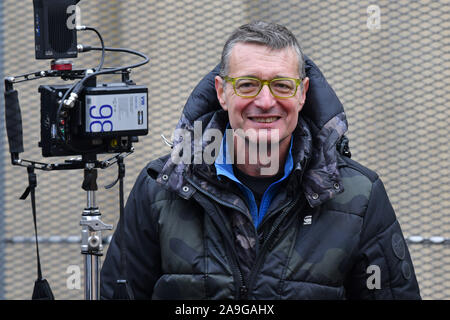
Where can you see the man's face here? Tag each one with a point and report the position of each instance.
(263, 111)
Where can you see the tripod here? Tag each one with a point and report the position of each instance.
(91, 224)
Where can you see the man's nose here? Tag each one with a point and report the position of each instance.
(265, 99)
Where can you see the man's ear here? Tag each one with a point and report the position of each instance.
(302, 98)
(220, 92)
(305, 89)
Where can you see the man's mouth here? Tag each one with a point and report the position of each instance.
(264, 119)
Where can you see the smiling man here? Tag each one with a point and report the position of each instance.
(319, 226)
(263, 97)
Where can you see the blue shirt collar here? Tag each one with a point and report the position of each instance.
(224, 163)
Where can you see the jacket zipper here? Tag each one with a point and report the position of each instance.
(267, 244)
(242, 289)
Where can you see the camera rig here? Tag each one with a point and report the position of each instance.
(84, 119)
(104, 118)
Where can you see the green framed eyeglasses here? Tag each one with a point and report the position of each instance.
(250, 87)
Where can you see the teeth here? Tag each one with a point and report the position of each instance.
(265, 120)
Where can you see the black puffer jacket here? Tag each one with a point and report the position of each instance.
(330, 233)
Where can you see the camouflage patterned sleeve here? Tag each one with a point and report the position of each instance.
(384, 268)
(142, 247)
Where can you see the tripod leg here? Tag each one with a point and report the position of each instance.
(92, 273)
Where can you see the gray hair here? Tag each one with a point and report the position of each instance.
(272, 35)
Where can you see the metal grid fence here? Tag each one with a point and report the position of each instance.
(391, 74)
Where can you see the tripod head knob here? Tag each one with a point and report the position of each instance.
(93, 243)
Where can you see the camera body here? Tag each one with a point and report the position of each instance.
(107, 118)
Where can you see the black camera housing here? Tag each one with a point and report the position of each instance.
(74, 134)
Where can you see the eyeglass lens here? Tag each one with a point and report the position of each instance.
(251, 87)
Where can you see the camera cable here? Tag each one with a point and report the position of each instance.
(41, 289)
(102, 60)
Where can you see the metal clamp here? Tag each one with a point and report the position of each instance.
(91, 236)
(96, 225)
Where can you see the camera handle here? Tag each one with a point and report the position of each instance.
(91, 233)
